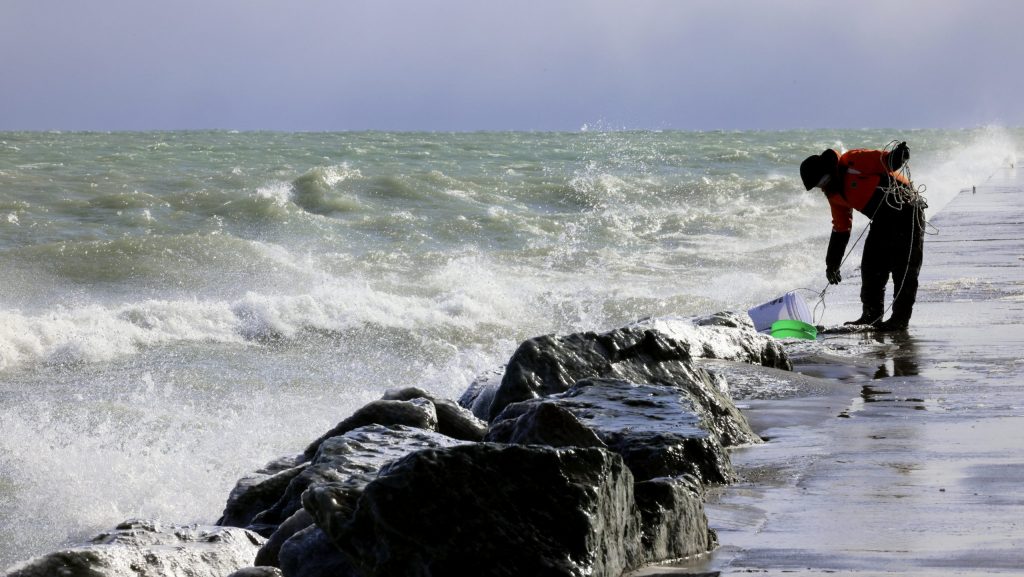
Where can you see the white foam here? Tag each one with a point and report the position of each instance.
(146, 448)
(462, 294)
(334, 175)
(95, 333)
(278, 192)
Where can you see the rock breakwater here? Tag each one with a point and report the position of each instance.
(586, 454)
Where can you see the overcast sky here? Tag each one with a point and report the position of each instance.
(519, 64)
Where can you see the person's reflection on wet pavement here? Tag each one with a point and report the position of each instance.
(900, 359)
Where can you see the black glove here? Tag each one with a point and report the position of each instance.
(833, 275)
(836, 247)
(899, 156)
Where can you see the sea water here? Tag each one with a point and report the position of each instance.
(177, 308)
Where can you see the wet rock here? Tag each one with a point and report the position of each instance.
(350, 461)
(258, 572)
(549, 365)
(268, 555)
(479, 395)
(640, 353)
(673, 519)
(685, 407)
(659, 430)
(259, 490)
(728, 319)
(418, 413)
(540, 423)
(651, 455)
(146, 548)
(310, 553)
(402, 486)
(262, 500)
(452, 420)
(486, 509)
(726, 335)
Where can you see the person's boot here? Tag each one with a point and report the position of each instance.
(893, 324)
(902, 308)
(870, 317)
(900, 319)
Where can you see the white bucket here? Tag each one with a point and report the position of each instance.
(787, 306)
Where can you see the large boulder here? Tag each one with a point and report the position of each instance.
(659, 430)
(673, 519)
(269, 554)
(352, 460)
(479, 395)
(452, 420)
(549, 364)
(728, 336)
(260, 490)
(541, 423)
(417, 413)
(489, 509)
(150, 549)
(648, 351)
(402, 487)
(262, 500)
(310, 553)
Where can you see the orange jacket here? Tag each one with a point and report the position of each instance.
(860, 173)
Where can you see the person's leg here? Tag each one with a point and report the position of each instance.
(910, 244)
(874, 274)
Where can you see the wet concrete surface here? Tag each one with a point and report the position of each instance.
(908, 458)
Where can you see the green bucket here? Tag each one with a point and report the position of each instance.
(793, 329)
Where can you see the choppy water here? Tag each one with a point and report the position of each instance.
(177, 308)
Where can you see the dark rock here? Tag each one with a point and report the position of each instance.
(659, 430)
(258, 491)
(728, 319)
(728, 336)
(352, 459)
(537, 423)
(145, 548)
(258, 572)
(488, 509)
(480, 393)
(639, 353)
(262, 500)
(674, 523)
(549, 365)
(268, 554)
(452, 420)
(687, 407)
(309, 553)
(396, 490)
(651, 455)
(417, 413)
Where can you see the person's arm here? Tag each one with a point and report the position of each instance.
(897, 157)
(834, 256)
(842, 223)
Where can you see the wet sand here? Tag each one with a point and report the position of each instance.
(910, 458)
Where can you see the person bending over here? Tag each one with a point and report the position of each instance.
(868, 181)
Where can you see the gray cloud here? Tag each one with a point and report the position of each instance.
(465, 65)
